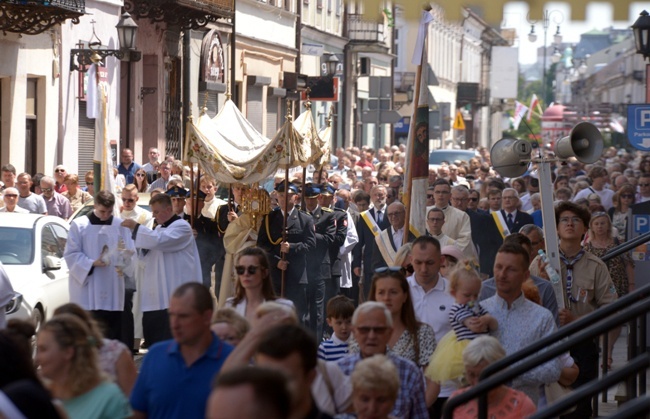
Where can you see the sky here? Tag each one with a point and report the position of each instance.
(599, 16)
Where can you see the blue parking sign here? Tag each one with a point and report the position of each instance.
(641, 223)
(638, 126)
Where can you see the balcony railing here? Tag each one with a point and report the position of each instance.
(360, 30)
(188, 14)
(31, 17)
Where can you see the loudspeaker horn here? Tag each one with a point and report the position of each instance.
(510, 156)
(585, 142)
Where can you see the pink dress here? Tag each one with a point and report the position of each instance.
(514, 405)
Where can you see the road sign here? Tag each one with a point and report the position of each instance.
(458, 122)
(638, 126)
(383, 116)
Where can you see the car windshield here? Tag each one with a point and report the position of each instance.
(17, 246)
(449, 156)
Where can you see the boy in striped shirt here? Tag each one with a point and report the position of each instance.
(339, 318)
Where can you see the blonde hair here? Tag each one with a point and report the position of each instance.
(270, 306)
(233, 319)
(69, 331)
(376, 373)
(464, 271)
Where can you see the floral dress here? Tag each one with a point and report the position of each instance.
(616, 266)
(404, 346)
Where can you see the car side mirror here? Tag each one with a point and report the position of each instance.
(51, 263)
(14, 304)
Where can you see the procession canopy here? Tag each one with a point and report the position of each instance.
(229, 149)
(317, 147)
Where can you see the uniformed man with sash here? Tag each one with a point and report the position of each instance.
(371, 223)
(388, 242)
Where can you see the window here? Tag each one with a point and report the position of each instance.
(30, 125)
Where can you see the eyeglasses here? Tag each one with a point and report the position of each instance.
(241, 270)
(572, 220)
(46, 189)
(59, 170)
(140, 174)
(379, 330)
(627, 196)
(129, 200)
(10, 195)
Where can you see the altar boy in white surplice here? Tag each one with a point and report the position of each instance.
(98, 253)
(170, 258)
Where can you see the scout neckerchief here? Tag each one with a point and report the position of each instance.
(569, 272)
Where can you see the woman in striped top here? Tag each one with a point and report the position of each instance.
(468, 320)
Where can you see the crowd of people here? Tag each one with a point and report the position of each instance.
(331, 307)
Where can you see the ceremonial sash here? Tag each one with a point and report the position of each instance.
(385, 248)
(371, 223)
(501, 224)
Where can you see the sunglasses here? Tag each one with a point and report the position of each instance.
(474, 199)
(241, 270)
(139, 174)
(644, 184)
(364, 330)
(129, 200)
(430, 196)
(627, 196)
(10, 195)
(59, 170)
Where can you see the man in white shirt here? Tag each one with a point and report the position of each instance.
(431, 300)
(10, 198)
(599, 179)
(153, 155)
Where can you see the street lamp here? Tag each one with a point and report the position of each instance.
(641, 29)
(332, 64)
(557, 38)
(81, 59)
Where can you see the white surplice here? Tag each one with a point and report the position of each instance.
(172, 259)
(103, 289)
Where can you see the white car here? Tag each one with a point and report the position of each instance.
(31, 252)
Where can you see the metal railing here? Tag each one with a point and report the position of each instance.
(636, 304)
(360, 29)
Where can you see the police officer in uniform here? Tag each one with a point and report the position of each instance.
(300, 240)
(179, 197)
(333, 287)
(319, 269)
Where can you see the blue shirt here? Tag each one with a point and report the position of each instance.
(168, 388)
(333, 349)
(410, 401)
(128, 172)
(521, 324)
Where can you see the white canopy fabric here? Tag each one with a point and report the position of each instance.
(319, 149)
(229, 149)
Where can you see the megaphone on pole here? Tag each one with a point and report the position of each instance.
(585, 143)
(510, 156)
